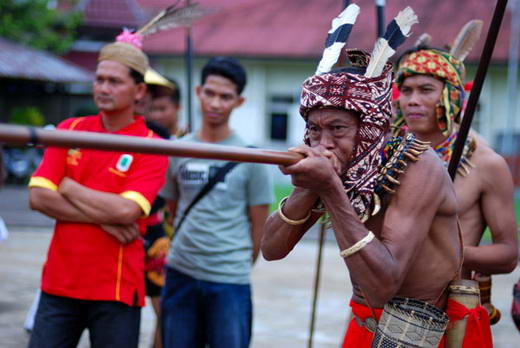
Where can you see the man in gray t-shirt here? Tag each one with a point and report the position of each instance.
(207, 295)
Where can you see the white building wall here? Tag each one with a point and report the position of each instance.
(492, 117)
(286, 78)
(248, 120)
(268, 78)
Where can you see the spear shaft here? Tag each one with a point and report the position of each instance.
(474, 96)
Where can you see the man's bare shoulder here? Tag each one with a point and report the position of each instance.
(489, 164)
(426, 183)
(428, 169)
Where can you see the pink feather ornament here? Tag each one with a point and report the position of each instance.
(130, 38)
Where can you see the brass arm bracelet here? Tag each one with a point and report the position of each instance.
(286, 219)
(358, 246)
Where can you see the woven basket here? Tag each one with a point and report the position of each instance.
(408, 322)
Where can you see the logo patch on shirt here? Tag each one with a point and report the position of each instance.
(73, 156)
(194, 173)
(124, 163)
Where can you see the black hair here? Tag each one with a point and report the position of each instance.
(175, 96)
(136, 75)
(226, 67)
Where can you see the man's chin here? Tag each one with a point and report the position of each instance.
(104, 107)
(215, 122)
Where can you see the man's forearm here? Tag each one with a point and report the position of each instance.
(279, 237)
(490, 259)
(102, 207)
(54, 205)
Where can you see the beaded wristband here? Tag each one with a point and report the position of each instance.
(286, 219)
(358, 246)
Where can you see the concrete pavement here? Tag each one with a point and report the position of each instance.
(282, 296)
(282, 290)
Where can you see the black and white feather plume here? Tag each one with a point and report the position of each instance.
(171, 17)
(337, 38)
(396, 32)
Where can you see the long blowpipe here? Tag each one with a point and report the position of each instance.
(20, 135)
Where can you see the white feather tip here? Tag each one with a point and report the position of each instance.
(405, 19)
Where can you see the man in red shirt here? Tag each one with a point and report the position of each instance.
(93, 276)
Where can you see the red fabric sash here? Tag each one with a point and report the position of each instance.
(478, 329)
(358, 336)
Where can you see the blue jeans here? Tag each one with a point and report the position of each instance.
(60, 321)
(197, 312)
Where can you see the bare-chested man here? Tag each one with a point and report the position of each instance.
(431, 86)
(416, 251)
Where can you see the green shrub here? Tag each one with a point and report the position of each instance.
(27, 115)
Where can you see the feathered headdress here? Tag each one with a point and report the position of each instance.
(447, 66)
(171, 17)
(466, 39)
(396, 32)
(363, 87)
(337, 38)
(127, 48)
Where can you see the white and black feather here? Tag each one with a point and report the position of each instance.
(337, 38)
(396, 33)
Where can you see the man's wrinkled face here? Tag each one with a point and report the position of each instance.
(419, 96)
(334, 130)
(114, 89)
(218, 97)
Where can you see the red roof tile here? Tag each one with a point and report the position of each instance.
(112, 13)
(297, 28)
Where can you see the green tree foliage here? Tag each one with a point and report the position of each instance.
(37, 24)
(27, 115)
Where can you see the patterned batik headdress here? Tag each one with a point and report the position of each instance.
(364, 87)
(447, 67)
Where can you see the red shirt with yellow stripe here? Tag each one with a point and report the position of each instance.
(84, 261)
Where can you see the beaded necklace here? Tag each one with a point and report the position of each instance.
(445, 150)
(398, 152)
